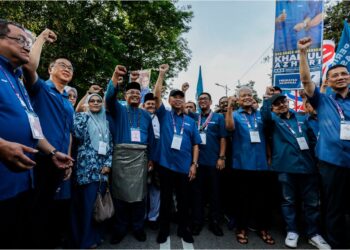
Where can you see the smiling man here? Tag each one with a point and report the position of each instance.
(20, 132)
(333, 146)
(293, 143)
(51, 103)
(133, 136)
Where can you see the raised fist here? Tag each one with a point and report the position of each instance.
(48, 36)
(164, 68)
(185, 86)
(304, 43)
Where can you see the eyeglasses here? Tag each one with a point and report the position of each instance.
(72, 96)
(21, 41)
(95, 101)
(133, 92)
(64, 67)
(203, 99)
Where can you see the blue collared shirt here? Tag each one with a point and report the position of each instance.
(329, 147)
(176, 160)
(247, 155)
(210, 152)
(55, 113)
(287, 157)
(125, 117)
(14, 128)
(313, 122)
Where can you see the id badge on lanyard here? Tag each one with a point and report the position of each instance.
(203, 137)
(35, 126)
(102, 148)
(254, 136)
(135, 135)
(177, 141)
(344, 130)
(302, 143)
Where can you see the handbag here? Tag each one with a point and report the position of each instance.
(104, 208)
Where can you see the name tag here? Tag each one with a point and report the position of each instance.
(176, 143)
(135, 135)
(203, 138)
(302, 143)
(102, 148)
(35, 125)
(345, 130)
(254, 136)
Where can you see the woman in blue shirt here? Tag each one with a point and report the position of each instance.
(91, 172)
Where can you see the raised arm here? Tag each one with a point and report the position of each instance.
(305, 77)
(111, 92)
(229, 122)
(35, 54)
(159, 84)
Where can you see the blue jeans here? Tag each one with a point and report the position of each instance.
(303, 187)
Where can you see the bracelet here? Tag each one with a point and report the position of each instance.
(53, 152)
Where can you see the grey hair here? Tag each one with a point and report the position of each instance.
(238, 92)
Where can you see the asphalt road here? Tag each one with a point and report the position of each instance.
(206, 240)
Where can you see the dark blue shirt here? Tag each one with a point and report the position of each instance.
(287, 157)
(247, 155)
(14, 127)
(210, 152)
(329, 147)
(313, 122)
(125, 117)
(55, 112)
(176, 160)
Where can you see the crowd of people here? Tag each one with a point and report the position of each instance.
(184, 163)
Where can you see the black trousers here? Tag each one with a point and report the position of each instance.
(335, 193)
(252, 198)
(170, 181)
(44, 211)
(14, 221)
(206, 187)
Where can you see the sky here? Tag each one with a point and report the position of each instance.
(227, 39)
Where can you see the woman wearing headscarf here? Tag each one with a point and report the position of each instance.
(91, 172)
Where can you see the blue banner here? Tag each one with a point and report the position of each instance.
(293, 21)
(342, 55)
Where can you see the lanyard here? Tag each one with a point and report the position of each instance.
(174, 124)
(291, 130)
(26, 105)
(248, 123)
(340, 111)
(205, 124)
(138, 118)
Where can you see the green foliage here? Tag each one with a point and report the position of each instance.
(335, 15)
(97, 35)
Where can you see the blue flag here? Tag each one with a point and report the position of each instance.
(342, 55)
(199, 83)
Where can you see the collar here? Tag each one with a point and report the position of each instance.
(337, 96)
(205, 115)
(292, 115)
(52, 86)
(7, 65)
(241, 110)
(174, 112)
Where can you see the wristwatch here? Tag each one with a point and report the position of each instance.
(53, 152)
(195, 163)
(222, 157)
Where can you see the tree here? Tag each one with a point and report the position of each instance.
(97, 35)
(333, 22)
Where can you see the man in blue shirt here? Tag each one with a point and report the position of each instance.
(211, 127)
(132, 133)
(153, 186)
(179, 139)
(250, 166)
(20, 133)
(293, 158)
(50, 101)
(333, 145)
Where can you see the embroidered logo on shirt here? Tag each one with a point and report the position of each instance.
(52, 93)
(4, 80)
(187, 124)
